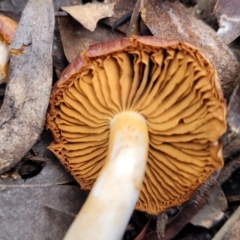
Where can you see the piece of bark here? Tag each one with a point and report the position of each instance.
(231, 229)
(17, 6)
(170, 19)
(22, 115)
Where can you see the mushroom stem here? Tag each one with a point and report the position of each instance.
(108, 208)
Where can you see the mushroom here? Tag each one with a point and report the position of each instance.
(138, 122)
(7, 29)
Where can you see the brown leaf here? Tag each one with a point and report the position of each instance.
(228, 15)
(170, 19)
(89, 14)
(76, 39)
(141, 235)
(151, 236)
(22, 115)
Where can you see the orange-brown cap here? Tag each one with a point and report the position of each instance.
(7, 29)
(171, 84)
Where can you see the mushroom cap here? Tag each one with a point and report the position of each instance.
(171, 84)
(7, 29)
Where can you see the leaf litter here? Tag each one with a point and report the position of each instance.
(43, 207)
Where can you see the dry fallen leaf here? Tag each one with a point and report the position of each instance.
(228, 15)
(22, 115)
(76, 39)
(42, 207)
(90, 13)
(213, 212)
(170, 19)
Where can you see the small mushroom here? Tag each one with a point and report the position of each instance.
(138, 121)
(7, 29)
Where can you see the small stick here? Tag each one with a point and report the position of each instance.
(122, 20)
(61, 14)
(134, 28)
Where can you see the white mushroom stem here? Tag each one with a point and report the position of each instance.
(4, 58)
(108, 208)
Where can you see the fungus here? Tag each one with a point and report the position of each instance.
(138, 121)
(7, 29)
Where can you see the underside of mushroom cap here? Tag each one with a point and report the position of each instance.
(7, 29)
(171, 84)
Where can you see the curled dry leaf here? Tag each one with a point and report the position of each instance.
(22, 115)
(227, 13)
(75, 38)
(89, 14)
(172, 20)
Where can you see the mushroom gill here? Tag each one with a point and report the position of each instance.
(171, 84)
